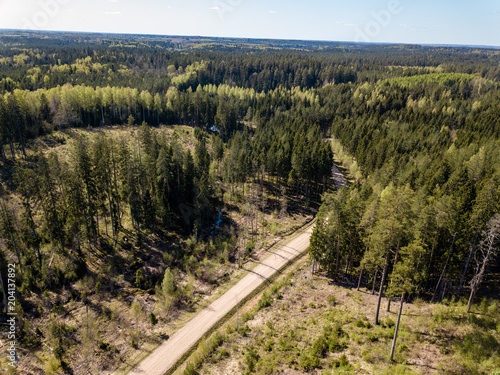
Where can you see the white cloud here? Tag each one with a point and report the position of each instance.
(214, 8)
(113, 13)
(272, 12)
(114, 1)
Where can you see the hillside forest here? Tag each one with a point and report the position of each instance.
(136, 166)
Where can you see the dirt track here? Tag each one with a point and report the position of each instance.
(167, 354)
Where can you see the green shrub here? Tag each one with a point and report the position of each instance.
(362, 323)
(220, 354)
(319, 347)
(153, 319)
(247, 316)
(104, 346)
(52, 366)
(269, 345)
(343, 363)
(168, 259)
(309, 362)
(140, 279)
(265, 301)
(389, 323)
(135, 310)
(335, 344)
(403, 348)
(372, 337)
(332, 300)
(250, 359)
(270, 325)
(359, 323)
(244, 330)
(375, 355)
(133, 343)
(190, 369)
(191, 264)
(59, 352)
(204, 351)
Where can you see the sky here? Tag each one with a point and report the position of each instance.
(390, 21)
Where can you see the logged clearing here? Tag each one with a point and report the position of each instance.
(104, 320)
(306, 324)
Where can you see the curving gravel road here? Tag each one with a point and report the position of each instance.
(172, 350)
(338, 178)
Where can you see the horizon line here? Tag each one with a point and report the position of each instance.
(449, 45)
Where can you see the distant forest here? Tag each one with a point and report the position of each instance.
(417, 129)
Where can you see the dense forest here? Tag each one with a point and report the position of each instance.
(86, 165)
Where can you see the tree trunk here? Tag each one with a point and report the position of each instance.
(374, 281)
(111, 212)
(445, 285)
(459, 289)
(348, 267)
(397, 327)
(471, 298)
(2, 152)
(444, 268)
(35, 234)
(487, 251)
(337, 258)
(384, 274)
(105, 220)
(394, 265)
(12, 152)
(429, 267)
(360, 277)
(21, 140)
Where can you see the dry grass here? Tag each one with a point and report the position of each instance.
(433, 339)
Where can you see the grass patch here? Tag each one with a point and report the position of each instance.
(319, 328)
(206, 348)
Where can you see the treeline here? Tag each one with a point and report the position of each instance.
(84, 202)
(25, 115)
(152, 66)
(429, 151)
(422, 124)
(69, 205)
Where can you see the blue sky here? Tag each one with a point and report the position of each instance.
(398, 21)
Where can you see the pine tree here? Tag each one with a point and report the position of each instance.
(406, 276)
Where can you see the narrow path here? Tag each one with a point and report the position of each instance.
(171, 351)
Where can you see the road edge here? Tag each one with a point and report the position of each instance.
(250, 296)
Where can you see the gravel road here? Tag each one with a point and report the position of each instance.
(172, 350)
